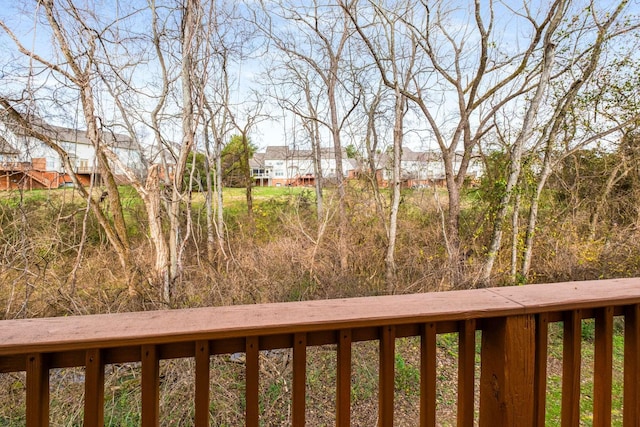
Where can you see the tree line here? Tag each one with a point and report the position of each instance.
(530, 87)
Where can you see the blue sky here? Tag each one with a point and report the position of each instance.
(510, 33)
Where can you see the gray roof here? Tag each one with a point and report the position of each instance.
(77, 136)
(283, 152)
(64, 134)
(257, 161)
(425, 156)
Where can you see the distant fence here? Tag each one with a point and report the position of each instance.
(513, 322)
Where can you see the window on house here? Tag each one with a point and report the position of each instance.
(83, 165)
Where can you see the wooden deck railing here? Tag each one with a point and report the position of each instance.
(513, 320)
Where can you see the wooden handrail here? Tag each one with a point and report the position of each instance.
(513, 321)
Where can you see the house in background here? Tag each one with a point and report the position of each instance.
(423, 169)
(282, 166)
(28, 163)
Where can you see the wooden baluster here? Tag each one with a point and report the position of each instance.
(507, 372)
(37, 404)
(428, 375)
(571, 360)
(631, 412)
(466, 371)
(603, 367)
(94, 388)
(386, 381)
(540, 374)
(299, 379)
(343, 393)
(150, 386)
(202, 383)
(252, 391)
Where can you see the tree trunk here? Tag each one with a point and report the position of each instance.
(175, 203)
(208, 201)
(515, 215)
(151, 197)
(527, 253)
(398, 130)
(561, 110)
(452, 230)
(317, 170)
(219, 201)
(248, 181)
(342, 194)
(517, 149)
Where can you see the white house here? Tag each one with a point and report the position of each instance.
(283, 166)
(423, 168)
(27, 162)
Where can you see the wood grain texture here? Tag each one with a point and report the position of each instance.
(386, 376)
(466, 372)
(507, 372)
(37, 391)
(25, 336)
(603, 367)
(428, 375)
(94, 389)
(571, 360)
(343, 383)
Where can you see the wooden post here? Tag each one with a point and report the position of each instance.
(299, 379)
(571, 364)
(343, 368)
(150, 386)
(37, 391)
(466, 372)
(203, 364)
(603, 363)
(507, 373)
(94, 389)
(252, 381)
(540, 379)
(428, 375)
(386, 382)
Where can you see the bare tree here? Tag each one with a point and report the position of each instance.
(146, 82)
(167, 174)
(77, 72)
(293, 91)
(317, 40)
(401, 61)
(372, 146)
(252, 116)
(464, 76)
(525, 133)
(582, 68)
